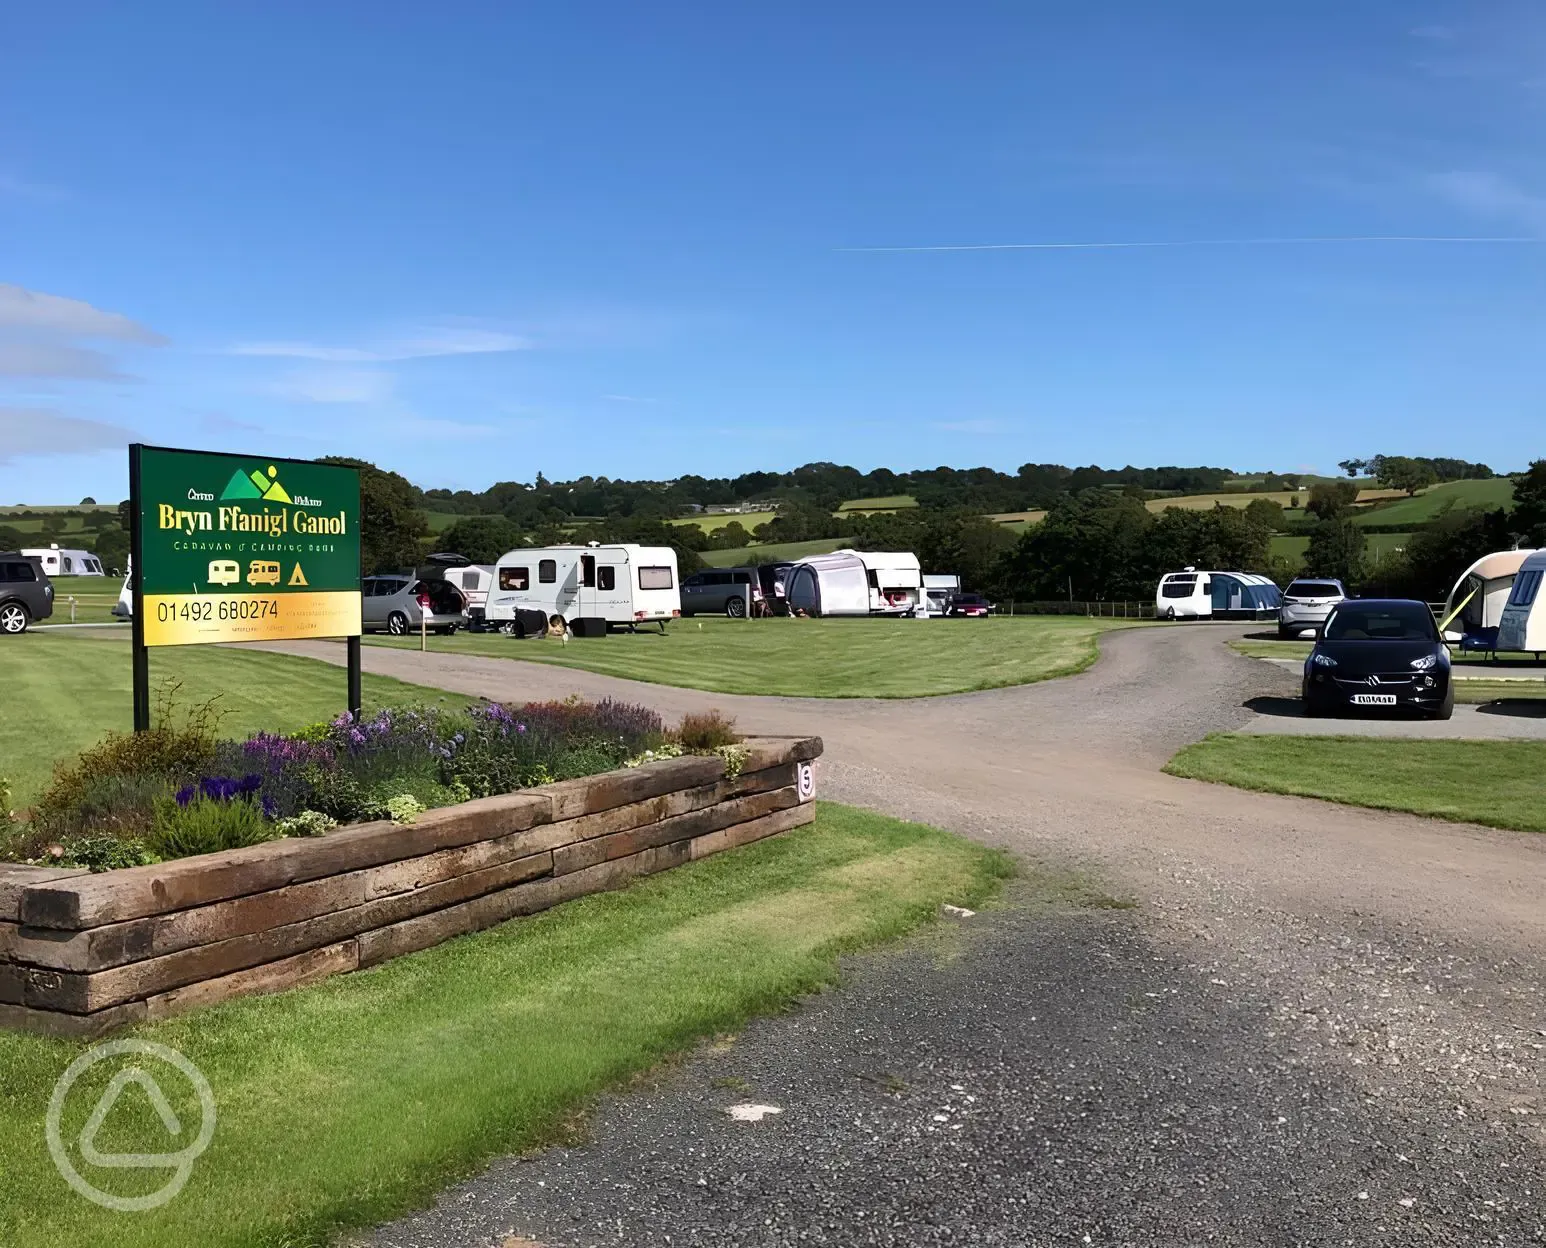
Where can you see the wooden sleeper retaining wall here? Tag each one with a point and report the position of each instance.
(81, 954)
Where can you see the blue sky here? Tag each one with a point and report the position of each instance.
(472, 241)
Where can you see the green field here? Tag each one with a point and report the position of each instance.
(345, 1104)
(1497, 783)
(857, 658)
(440, 521)
(1291, 546)
(1236, 498)
(1498, 492)
(748, 521)
(771, 552)
(65, 691)
(889, 502)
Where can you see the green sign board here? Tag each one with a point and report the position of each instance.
(243, 548)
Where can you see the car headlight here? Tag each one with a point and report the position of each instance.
(1322, 660)
(1424, 663)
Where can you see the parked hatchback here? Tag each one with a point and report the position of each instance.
(392, 603)
(26, 593)
(720, 591)
(1378, 652)
(1307, 603)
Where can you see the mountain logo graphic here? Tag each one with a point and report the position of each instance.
(256, 484)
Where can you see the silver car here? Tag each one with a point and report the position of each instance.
(1306, 604)
(392, 603)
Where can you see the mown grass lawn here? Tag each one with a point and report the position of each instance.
(859, 658)
(344, 1104)
(1497, 783)
(64, 691)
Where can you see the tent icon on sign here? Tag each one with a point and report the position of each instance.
(256, 484)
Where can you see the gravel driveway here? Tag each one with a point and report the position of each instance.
(1317, 1025)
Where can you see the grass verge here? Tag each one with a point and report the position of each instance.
(859, 658)
(65, 691)
(342, 1105)
(1496, 783)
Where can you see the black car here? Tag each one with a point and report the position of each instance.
(1378, 652)
(26, 593)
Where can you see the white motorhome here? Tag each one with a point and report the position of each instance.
(590, 586)
(57, 562)
(1194, 595)
(1475, 606)
(856, 582)
(1522, 625)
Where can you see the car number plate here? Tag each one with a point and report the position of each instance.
(1374, 699)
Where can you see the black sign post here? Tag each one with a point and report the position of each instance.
(137, 598)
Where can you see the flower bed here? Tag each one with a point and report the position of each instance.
(180, 790)
(85, 952)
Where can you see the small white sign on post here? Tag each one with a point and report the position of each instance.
(807, 781)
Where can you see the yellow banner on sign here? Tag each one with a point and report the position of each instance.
(184, 619)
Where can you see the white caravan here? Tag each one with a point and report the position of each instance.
(855, 582)
(1523, 623)
(590, 586)
(58, 562)
(1194, 595)
(1474, 608)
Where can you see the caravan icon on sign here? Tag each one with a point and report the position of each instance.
(256, 484)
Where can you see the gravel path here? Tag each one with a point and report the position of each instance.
(1318, 1025)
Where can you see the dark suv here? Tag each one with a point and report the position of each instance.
(26, 593)
(719, 591)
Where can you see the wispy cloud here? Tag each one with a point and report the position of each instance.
(1434, 33)
(1491, 195)
(54, 359)
(424, 345)
(219, 422)
(36, 312)
(335, 385)
(626, 398)
(40, 431)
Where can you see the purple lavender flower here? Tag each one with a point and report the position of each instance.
(185, 794)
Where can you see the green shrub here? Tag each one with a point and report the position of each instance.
(100, 853)
(114, 785)
(205, 825)
(706, 732)
(307, 823)
(404, 808)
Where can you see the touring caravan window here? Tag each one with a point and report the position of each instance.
(607, 577)
(656, 577)
(547, 571)
(1179, 587)
(515, 578)
(69, 564)
(1525, 589)
(588, 571)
